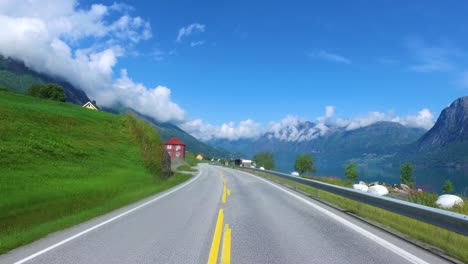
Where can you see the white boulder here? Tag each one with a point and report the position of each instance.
(447, 201)
(261, 168)
(295, 173)
(360, 187)
(378, 189)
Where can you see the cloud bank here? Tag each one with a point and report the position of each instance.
(296, 129)
(82, 46)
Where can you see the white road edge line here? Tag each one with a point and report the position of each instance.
(105, 222)
(384, 243)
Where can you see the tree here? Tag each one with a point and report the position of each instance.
(351, 171)
(35, 90)
(447, 187)
(50, 91)
(264, 159)
(406, 174)
(304, 163)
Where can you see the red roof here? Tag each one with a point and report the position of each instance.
(174, 141)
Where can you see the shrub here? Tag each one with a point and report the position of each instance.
(50, 91)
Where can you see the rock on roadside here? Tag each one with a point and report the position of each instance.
(360, 187)
(378, 189)
(447, 201)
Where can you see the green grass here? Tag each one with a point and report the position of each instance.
(61, 164)
(332, 180)
(186, 167)
(191, 159)
(451, 243)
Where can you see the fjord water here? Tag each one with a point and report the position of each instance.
(428, 179)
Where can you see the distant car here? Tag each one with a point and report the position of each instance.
(262, 168)
(295, 173)
(253, 167)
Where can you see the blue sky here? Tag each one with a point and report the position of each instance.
(255, 62)
(265, 60)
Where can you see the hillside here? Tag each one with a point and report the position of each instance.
(15, 76)
(62, 164)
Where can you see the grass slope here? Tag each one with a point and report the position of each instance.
(61, 164)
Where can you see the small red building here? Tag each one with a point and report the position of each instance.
(175, 148)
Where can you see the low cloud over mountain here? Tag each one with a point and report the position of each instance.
(82, 46)
(295, 129)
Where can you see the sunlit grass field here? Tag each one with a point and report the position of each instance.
(61, 164)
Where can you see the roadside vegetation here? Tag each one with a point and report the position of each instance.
(191, 159)
(62, 164)
(265, 160)
(305, 164)
(451, 243)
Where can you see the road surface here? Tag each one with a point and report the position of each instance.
(258, 222)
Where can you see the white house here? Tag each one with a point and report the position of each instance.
(91, 105)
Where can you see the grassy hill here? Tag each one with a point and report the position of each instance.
(61, 164)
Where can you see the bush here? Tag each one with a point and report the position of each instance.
(447, 187)
(50, 91)
(406, 174)
(4, 89)
(351, 171)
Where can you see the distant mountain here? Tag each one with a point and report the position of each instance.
(451, 127)
(17, 77)
(446, 143)
(331, 147)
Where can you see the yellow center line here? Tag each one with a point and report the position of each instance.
(226, 252)
(223, 199)
(213, 258)
(229, 192)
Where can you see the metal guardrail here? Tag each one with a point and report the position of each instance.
(445, 219)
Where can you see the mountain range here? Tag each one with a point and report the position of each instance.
(387, 143)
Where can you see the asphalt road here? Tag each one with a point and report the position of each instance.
(267, 223)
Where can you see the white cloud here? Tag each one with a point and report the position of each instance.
(328, 56)
(424, 119)
(329, 112)
(48, 36)
(231, 131)
(189, 30)
(152, 102)
(196, 43)
(363, 121)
